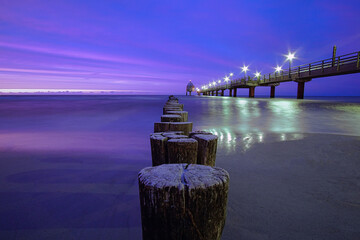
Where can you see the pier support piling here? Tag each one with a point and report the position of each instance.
(222, 92)
(234, 93)
(230, 92)
(272, 91)
(217, 93)
(301, 87)
(300, 90)
(251, 92)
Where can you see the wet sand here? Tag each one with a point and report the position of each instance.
(300, 189)
(305, 187)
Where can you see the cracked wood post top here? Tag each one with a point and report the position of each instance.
(180, 175)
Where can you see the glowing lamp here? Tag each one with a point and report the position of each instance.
(245, 68)
(290, 56)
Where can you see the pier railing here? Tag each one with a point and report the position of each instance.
(339, 65)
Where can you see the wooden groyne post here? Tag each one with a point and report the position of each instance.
(183, 201)
(183, 196)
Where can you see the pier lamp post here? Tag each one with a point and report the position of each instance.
(278, 69)
(230, 76)
(289, 58)
(226, 79)
(245, 69)
(257, 75)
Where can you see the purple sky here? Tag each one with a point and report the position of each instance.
(156, 47)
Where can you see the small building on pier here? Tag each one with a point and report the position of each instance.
(190, 88)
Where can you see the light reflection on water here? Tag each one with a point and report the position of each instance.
(234, 141)
(286, 113)
(243, 122)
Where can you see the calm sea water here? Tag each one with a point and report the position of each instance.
(69, 164)
(105, 122)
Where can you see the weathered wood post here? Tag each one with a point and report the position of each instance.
(183, 202)
(158, 149)
(172, 101)
(173, 136)
(182, 150)
(167, 109)
(161, 127)
(199, 132)
(171, 118)
(158, 142)
(173, 98)
(174, 104)
(207, 145)
(186, 127)
(184, 114)
(165, 134)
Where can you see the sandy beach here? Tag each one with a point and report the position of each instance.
(300, 189)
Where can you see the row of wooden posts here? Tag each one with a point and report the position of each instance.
(183, 195)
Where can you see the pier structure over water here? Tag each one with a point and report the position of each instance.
(337, 65)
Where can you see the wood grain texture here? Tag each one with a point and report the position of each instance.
(207, 146)
(183, 202)
(182, 150)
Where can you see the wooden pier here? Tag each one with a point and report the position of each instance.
(339, 65)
